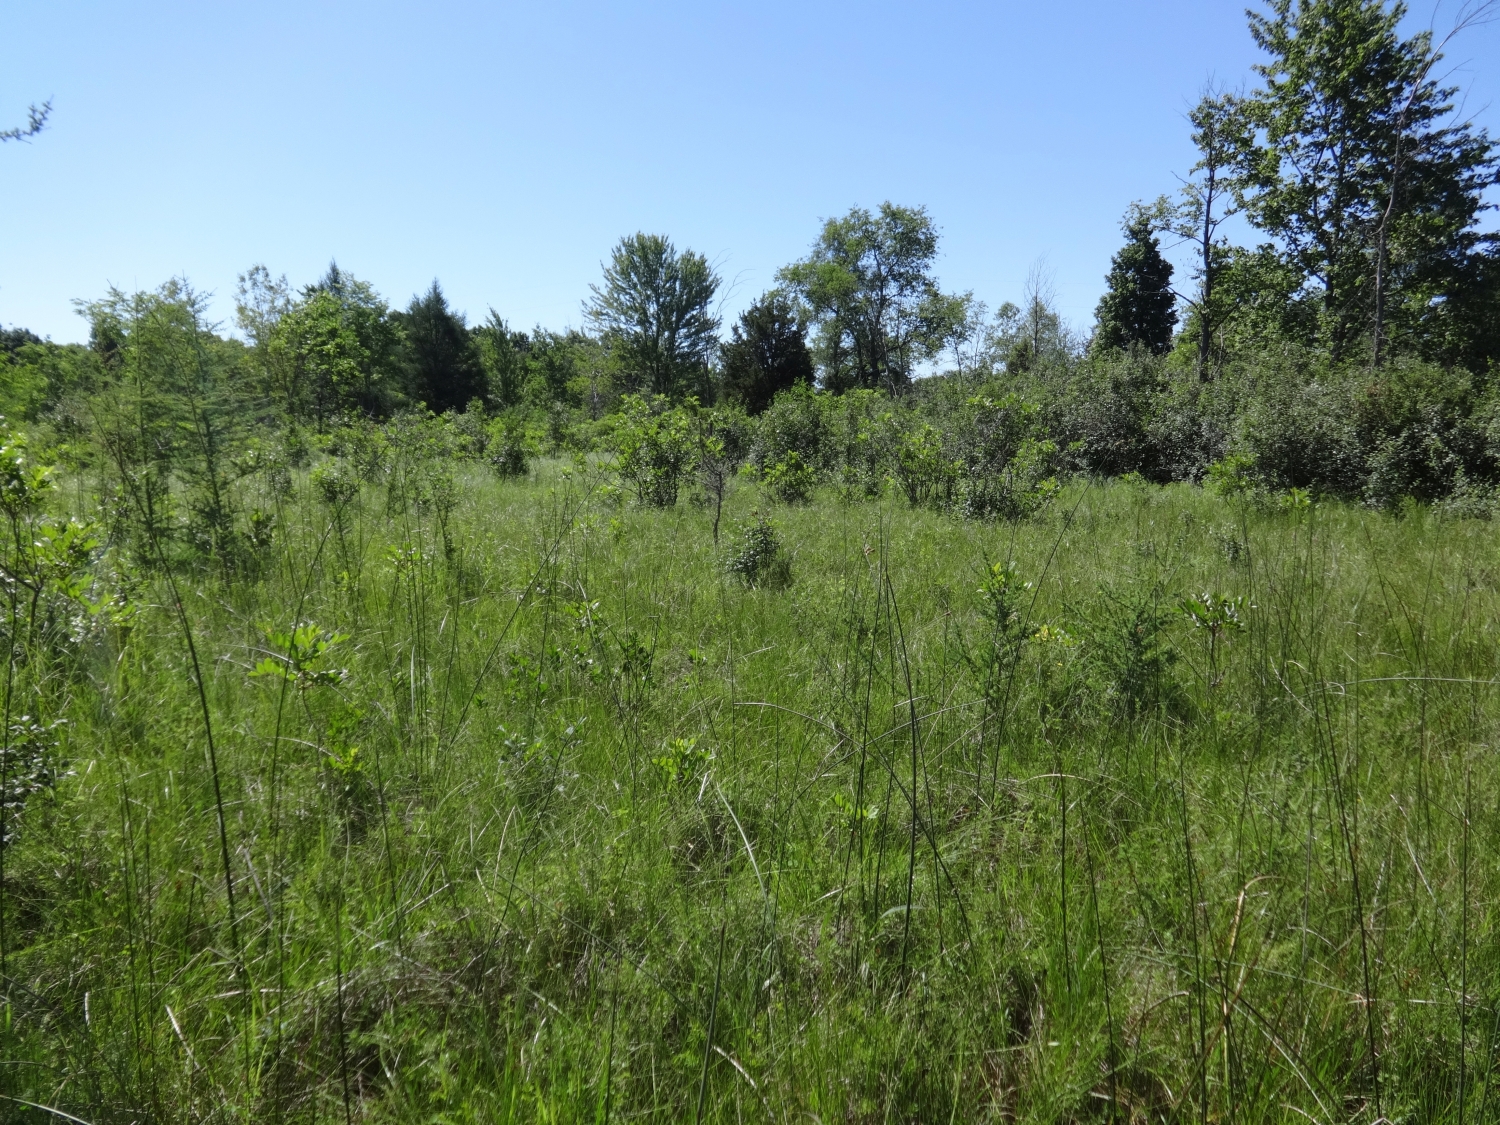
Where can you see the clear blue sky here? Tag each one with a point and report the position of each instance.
(503, 148)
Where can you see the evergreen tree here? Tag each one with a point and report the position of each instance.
(1139, 306)
(443, 371)
(767, 353)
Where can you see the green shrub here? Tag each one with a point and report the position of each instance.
(795, 422)
(1003, 467)
(921, 463)
(654, 441)
(1231, 475)
(1130, 651)
(791, 479)
(856, 451)
(1421, 433)
(1300, 432)
(1103, 411)
(758, 557)
(507, 449)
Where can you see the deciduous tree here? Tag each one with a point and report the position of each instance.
(36, 121)
(337, 349)
(1356, 167)
(1208, 200)
(654, 309)
(869, 289)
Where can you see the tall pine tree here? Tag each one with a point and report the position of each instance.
(443, 370)
(1139, 306)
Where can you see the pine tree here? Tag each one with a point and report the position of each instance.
(1139, 306)
(767, 353)
(443, 371)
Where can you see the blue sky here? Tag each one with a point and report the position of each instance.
(503, 148)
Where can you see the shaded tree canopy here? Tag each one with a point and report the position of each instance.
(766, 353)
(13, 339)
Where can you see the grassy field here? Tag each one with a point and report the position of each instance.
(1159, 807)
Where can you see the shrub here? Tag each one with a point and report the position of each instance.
(334, 483)
(682, 761)
(796, 421)
(507, 449)
(758, 557)
(720, 439)
(1188, 427)
(921, 463)
(856, 452)
(1129, 648)
(655, 444)
(1421, 434)
(1231, 475)
(1024, 487)
(791, 479)
(1300, 432)
(1003, 469)
(468, 431)
(1104, 411)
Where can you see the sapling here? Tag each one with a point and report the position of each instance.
(1218, 616)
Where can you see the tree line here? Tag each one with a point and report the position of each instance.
(1369, 279)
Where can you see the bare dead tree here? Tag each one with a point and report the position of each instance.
(1040, 296)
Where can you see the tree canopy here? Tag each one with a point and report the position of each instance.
(869, 289)
(654, 308)
(1138, 306)
(335, 350)
(1353, 166)
(443, 369)
(767, 353)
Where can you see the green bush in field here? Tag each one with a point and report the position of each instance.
(790, 480)
(508, 448)
(758, 557)
(655, 447)
(795, 422)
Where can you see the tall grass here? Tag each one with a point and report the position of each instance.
(567, 822)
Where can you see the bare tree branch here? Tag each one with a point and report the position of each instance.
(36, 121)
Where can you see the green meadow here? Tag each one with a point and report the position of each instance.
(511, 801)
